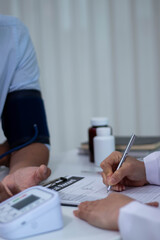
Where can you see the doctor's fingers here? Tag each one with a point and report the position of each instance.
(153, 204)
(84, 210)
(118, 187)
(119, 176)
(110, 164)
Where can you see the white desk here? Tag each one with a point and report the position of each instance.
(71, 163)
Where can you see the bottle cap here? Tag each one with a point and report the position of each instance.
(103, 131)
(99, 121)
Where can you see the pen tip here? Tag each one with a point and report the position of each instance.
(108, 189)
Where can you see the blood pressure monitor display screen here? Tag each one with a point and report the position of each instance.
(25, 202)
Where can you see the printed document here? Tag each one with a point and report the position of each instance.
(76, 189)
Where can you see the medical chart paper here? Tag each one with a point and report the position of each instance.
(76, 189)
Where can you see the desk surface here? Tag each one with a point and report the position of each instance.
(71, 163)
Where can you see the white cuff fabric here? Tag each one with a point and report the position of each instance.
(139, 221)
(152, 166)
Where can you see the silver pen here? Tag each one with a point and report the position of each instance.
(131, 141)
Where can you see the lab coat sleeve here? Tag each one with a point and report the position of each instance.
(139, 221)
(152, 166)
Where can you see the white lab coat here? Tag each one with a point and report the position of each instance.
(137, 220)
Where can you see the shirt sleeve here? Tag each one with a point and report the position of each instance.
(152, 166)
(139, 221)
(26, 74)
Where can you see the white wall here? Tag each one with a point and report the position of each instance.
(97, 58)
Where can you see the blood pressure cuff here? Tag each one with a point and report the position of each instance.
(23, 109)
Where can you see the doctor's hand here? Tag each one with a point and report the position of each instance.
(131, 173)
(104, 213)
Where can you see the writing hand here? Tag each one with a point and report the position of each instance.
(131, 173)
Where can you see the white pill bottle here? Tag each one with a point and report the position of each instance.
(104, 144)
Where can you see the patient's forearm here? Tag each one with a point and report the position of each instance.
(33, 155)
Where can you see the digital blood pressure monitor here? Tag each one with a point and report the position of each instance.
(34, 211)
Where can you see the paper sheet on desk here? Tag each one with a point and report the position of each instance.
(148, 193)
(92, 188)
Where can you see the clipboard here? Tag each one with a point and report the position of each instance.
(76, 189)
